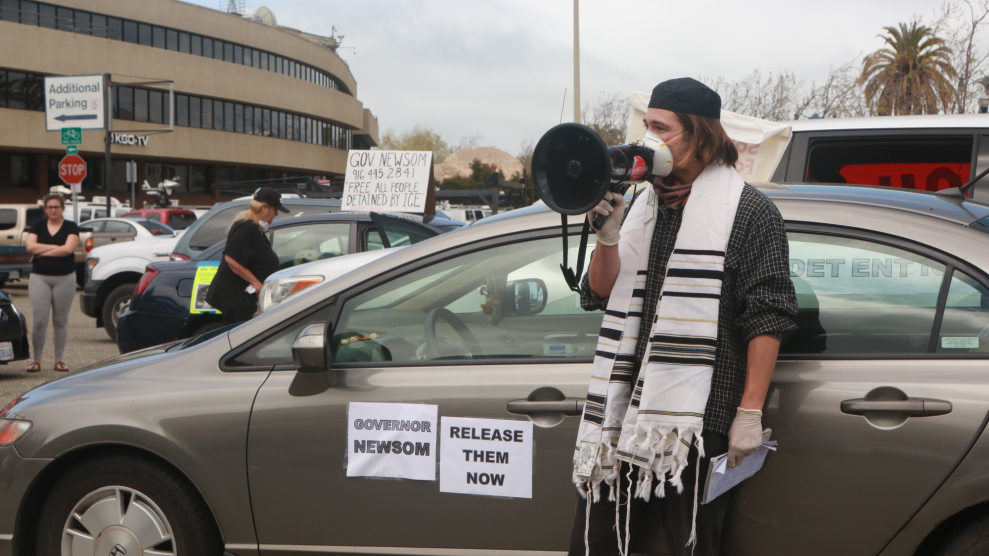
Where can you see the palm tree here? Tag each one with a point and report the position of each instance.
(912, 75)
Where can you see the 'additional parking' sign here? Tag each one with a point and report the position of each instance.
(74, 101)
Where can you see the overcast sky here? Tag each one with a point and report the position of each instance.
(499, 68)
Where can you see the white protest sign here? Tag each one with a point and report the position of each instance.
(395, 440)
(74, 101)
(395, 181)
(491, 457)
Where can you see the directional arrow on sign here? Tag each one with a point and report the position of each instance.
(66, 117)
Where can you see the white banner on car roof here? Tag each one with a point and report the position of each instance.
(760, 143)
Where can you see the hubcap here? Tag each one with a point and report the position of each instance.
(120, 308)
(117, 521)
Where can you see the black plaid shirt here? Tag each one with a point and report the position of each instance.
(757, 296)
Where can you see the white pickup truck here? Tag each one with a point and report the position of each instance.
(112, 272)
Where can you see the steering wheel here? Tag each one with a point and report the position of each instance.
(433, 349)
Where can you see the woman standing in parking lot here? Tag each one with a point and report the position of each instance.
(247, 259)
(52, 285)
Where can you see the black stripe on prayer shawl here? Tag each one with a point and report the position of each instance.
(671, 414)
(692, 294)
(595, 398)
(635, 314)
(618, 314)
(611, 334)
(691, 340)
(675, 360)
(641, 273)
(604, 354)
(695, 273)
(699, 252)
(641, 294)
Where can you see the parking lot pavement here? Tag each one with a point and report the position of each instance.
(87, 344)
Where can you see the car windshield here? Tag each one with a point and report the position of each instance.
(156, 229)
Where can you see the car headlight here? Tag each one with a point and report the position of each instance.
(275, 291)
(91, 262)
(12, 430)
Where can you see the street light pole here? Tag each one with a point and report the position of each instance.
(107, 123)
(576, 62)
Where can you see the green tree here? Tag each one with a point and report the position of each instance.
(912, 75)
(419, 138)
(479, 173)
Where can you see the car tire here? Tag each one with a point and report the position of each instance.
(969, 539)
(114, 305)
(154, 499)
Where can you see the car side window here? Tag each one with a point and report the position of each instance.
(860, 297)
(277, 349)
(295, 245)
(154, 216)
(398, 232)
(925, 163)
(965, 324)
(181, 221)
(92, 227)
(119, 228)
(8, 219)
(216, 228)
(509, 301)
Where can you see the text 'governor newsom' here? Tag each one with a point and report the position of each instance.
(394, 440)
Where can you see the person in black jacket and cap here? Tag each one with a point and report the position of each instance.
(247, 259)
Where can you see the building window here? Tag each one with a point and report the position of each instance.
(3, 83)
(238, 55)
(197, 179)
(98, 26)
(218, 115)
(125, 103)
(281, 125)
(266, 122)
(182, 110)
(228, 52)
(248, 120)
(15, 170)
(218, 50)
(29, 13)
(257, 121)
(46, 16)
(228, 116)
(278, 64)
(172, 40)
(15, 86)
(197, 45)
(141, 105)
(116, 28)
(155, 107)
(159, 37)
(130, 32)
(195, 112)
(144, 34)
(238, 117)
(207, 114)
(184, 43)
(207, 48)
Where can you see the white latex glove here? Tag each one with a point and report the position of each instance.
(744, 436)
(609, 233)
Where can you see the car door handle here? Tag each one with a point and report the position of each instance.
(912, 407)
(567, 406)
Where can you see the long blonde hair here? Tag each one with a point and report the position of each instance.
(251, 213)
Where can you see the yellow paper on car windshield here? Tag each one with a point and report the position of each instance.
(205, 271)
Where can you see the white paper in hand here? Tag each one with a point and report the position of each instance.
(721, 478)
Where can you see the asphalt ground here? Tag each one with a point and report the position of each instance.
(87, 344)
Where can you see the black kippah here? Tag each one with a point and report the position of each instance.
(688, 96)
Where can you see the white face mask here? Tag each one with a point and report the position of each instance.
(264, 225)
(662, 159)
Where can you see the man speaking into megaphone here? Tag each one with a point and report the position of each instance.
(694, 278)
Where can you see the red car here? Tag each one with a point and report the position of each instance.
(175, 218)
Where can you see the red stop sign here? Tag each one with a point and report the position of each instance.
(72, 169)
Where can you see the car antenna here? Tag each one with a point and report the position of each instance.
(960, 191)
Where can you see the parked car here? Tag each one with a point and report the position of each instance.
(213, 226)
(13, 332)
(114, 268)
(15, 263)
(175, 218)
(928, 153)
(160, 309)
(879, 401)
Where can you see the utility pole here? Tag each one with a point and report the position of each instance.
(576, 62)
(107, 125)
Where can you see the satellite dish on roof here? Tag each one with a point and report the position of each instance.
(264, 15)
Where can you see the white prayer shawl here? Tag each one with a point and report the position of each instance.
(654, 426)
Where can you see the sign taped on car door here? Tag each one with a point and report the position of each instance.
(205, 271)
(391, 440)
(489, 457)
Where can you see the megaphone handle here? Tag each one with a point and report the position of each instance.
(599, 220)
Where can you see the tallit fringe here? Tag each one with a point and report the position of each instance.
(598, 476)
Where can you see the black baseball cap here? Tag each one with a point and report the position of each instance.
(688, 96)
(270, 197)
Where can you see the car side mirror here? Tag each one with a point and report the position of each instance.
(309, 349)
(525, 297)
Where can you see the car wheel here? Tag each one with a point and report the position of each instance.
(126, 504)
(970, 539)
(115, 304)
